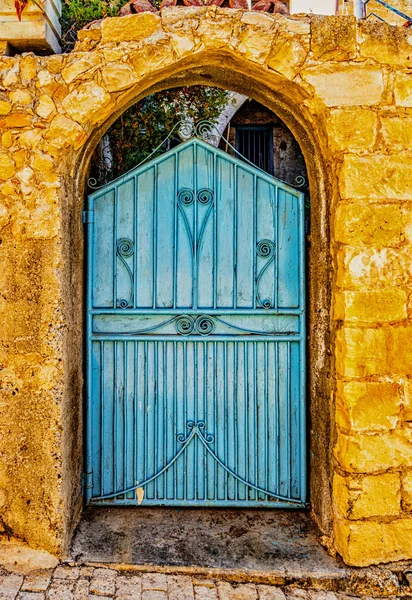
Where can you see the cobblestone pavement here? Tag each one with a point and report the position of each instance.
(88, 583)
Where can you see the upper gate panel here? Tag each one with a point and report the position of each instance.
(167, 235)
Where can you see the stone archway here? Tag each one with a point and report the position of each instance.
(331, 101)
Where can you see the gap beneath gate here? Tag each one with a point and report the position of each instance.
(260, 545)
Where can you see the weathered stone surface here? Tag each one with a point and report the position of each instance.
(45, 107)
(353, 128)
(78, 67)
(130, 28)
(118, 76)
(378, 541)
(7, 167)
(397, 132)
(407, 491)
(376, 177)
(227, 591)
(154, 581)
(333, 38)
(64, 132)
(364, 406)
(368, 496)
(385, 44)
(103, 582)
(376, 225)
(403, 89)
(5, 107)
(372, 306)
(288, 58)
(180, 588)
(362, 453)
(364, 352)
(346, 85)
(86, 102)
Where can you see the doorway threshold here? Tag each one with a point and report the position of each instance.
(263, 546)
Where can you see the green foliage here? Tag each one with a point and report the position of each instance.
(78, 13)
(145, 125)
(140, 129)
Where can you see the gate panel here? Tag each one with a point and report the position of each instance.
(196, 335)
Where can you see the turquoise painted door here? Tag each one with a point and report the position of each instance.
(196, 335)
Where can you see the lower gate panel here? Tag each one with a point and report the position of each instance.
(197, 423)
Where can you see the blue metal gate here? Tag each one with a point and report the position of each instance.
(196, 335)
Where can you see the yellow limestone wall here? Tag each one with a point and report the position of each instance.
(405, 6)
(350, 86)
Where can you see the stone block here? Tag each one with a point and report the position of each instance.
(333, 38)
(363, 543)
(384, 43)
(376, 225)
(352, 129)
(374, 306)
(78, 67)
(255, 39)
(364, 352)
(346, 85)
(154, 581)
(374, 268)
(7, 167)
(363, 453)
(397, 132)
(16, 120)
(407, 491)
(5, 107)
(118, 77)
(368, 406)
(403, 89)
(376, 177)
(287, 58)
(130, 28)
(65, 132)
(180, 587)
(86, 102)
(365, 496)
(227, 591)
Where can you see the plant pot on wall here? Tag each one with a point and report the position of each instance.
(38, 31)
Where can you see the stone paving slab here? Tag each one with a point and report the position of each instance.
(105, 583)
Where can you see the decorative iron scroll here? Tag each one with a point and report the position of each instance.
(185, 198)
(185, 130)
(124, 250)
(186, 325)
(197, 429)
(264, 249)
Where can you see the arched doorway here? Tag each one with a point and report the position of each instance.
(293, 114)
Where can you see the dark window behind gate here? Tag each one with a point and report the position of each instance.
(255, 143)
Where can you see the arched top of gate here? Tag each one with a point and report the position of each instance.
(197, 137)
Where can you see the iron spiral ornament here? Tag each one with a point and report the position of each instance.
(185, 325)
(204, 325)
(265, 248)
(125, 247)
(186, 197)
(186, 129)
(204, 196)
(124, 250)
